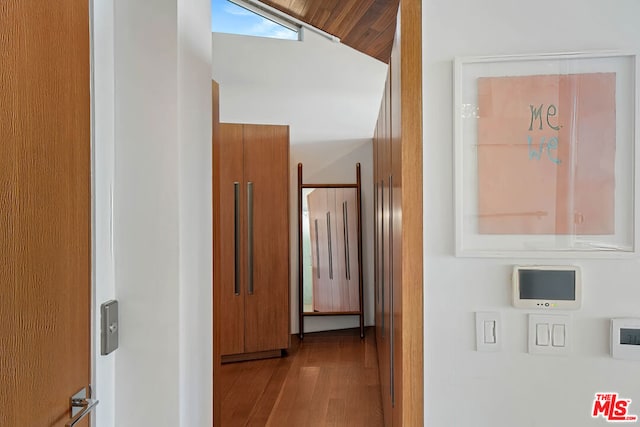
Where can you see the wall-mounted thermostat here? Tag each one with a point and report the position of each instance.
(625, 339)
(555, 287)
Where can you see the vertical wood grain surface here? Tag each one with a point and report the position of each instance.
(232, 311)
(412, 216)
(321, 284)
(45, 210)
(266, 164)
(398, 154)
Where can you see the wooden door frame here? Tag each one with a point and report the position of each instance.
(410, 43)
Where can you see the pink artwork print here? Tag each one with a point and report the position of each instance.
(546, 154)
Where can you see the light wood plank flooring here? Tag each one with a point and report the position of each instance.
(328, 379)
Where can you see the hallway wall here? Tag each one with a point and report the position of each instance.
(465, 388)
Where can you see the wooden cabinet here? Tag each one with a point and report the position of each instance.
(385, 244)
(399, 261)
(251, 204)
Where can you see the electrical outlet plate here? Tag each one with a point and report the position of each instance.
(109, 327)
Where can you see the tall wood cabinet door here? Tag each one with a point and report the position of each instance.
(349, 210)
(387, 380)
(266, 172)
(322, 292)
(231, 196)
(336, 262)
(346, 275)
(396, 239)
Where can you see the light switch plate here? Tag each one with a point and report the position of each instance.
(109, 327)
(556, 338)
(488, 331)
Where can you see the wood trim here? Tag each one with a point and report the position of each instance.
(331, 313)
(243, 357)
(412, 214)
(328, 185)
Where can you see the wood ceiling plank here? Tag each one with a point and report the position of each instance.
(350, 16)
(362, 34)
(388, 12)
(365, 25)
(323, 13)
(315, 14)
(381, 46)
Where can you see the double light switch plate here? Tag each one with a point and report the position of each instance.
(549, 334)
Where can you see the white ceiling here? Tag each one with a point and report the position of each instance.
(325, 91)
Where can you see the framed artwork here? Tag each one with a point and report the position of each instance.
(545, 155)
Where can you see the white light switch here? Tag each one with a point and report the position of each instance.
(488, 331)
(549, 334)
(542, 334)
(558, 335)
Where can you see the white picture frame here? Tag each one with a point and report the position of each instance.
(471, 185)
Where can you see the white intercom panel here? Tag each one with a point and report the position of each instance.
(550, 287)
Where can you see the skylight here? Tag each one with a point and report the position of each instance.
(229, 17)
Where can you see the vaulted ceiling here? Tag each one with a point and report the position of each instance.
(365, 25)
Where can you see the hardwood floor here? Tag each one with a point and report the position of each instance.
(328, 379)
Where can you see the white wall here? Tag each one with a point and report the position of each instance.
(511, 388)
(103, 179)
(162, 212)
(330, 95)
(195, 214)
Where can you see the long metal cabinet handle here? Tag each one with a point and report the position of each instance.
(250, 238)
(330, 246)
(317, 250)
(382, 251)
(347, 260)
(391, 297)
(375, 243)
(236, 236)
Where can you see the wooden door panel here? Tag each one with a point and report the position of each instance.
(322, 292)
(336, 273)
(45, 210)
(231, 178)
(341, 284)
(266, 165)
(315, 264)
(350, 210)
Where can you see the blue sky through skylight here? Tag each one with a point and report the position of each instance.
(233, 19)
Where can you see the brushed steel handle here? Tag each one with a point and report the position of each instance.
(382, 251)
(81, 406)
(375, 243)
(347, 260)
(250, 288)
(236, 237)
(391, 297)
(329, 245)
